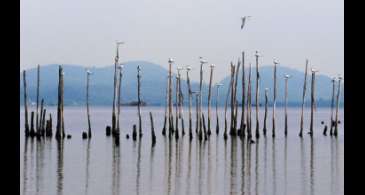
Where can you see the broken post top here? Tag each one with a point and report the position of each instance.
(202, 61)
(314, 70)
(275, 61)
(171, 61)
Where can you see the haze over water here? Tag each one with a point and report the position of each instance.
(270, 166)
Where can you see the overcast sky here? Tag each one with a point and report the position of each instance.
(84, 32)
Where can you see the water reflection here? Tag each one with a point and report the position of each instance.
(233, 165)
(115, 169)
(273, 167)
(243, 166)
(303, 167)
(248, 168)
(39, 164)
(138, 166)
(60, 166)
(87, 167)
(188, 178)
(25, 167)
(311, 177)
(257, 168)
(285, 165)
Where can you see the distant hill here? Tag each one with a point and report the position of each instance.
(153, 84)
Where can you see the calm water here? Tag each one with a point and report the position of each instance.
(271, 166)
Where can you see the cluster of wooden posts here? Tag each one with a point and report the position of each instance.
(203, 130)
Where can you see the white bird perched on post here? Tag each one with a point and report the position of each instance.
(243, 21)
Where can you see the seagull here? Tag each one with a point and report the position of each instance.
(188, 68)
(287, 76)
(276, 61)
(171, 61)
(244, 21)
(202, 61)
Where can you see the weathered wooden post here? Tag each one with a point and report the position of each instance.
(171, 126)
(337, 105)
(139, 101)
(39, 130)
(59, 128)
(202, 62)
(216, 107)
(26, 124)
(134, 133)
(204, 127)
(249, 106)
(332, 124)
(257, 95)
(190, 102)
(116, 60)
(119, 96)
(226, 103)
(38, 81)
(312, 101)
(32, 131)
(166, 107)
(210, 95)
(265, 116)
(176, 108)
(43, 128)
(88, 73)
(235, 103)
(153, 135)
(232, 131)
(286, 77)
(49, 126)
(274, 101)
(181, 104)
(303, 98)
(243, 126)
(197, 113)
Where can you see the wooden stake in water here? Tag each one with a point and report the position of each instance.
(60, 124)
(232, 131)
(166, 107)
(171, 126)
(235, 103)
(181, 104)
(197, 113)
(39, 130)
(226, 103)
(274, 101)
(312, 101)
(257, 95)
(32, 131)
(88, 73)
(210, 95)
(152, 131)
(303, 99)
(286, 77)
(139, 101)
(265, 116)
(249, 106)
(176, 108)
(26, 124)
(332, 123)
(337, 105)
(202, 62)
(38, 81)
(216, 107)
(242, 127)
(115, 87)
(119, 96)
(190, 102)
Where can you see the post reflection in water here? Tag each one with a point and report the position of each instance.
(152, 167)
(233, 165)
(285, 165)
(25, 166)
(87, 173)
(257, 167)
(303, 168)
(265, 165)
(138, 166)
(311, 166)
(209, 186)
(273, 167)
(243, 166)
(39, 165)
(188, 178)
(60, 154)
(248, 168)
(116, 169)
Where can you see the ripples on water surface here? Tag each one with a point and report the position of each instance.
(271, 166)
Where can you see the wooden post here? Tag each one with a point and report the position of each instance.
(303, 98)
(226, 103)
(49, 126)
(166, 106)
(274, 101)
(176, 108)
(265, 116)
(197, 114)
(26, 124)
(216, 108)
(312, 101)
(88, 73)
(115, 87)
(43, 128)
(39, 130)
(332, 123)
(60, 124)
(257, 95)
(62, 105)
(190, 102)
(337, 105)
(134, 133)
(235, 97)
(32, 132)
(139, 101)
(38, 81)
(204, 127)
(202, 62)
(209, 96)
(171, 127)
(249, 106)
(286, 105)
(242, 127)
(232, 130)
(152, 131)
(181, 102)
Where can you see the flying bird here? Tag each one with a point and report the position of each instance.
(244, 21)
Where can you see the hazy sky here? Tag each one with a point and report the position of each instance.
(84, 32)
